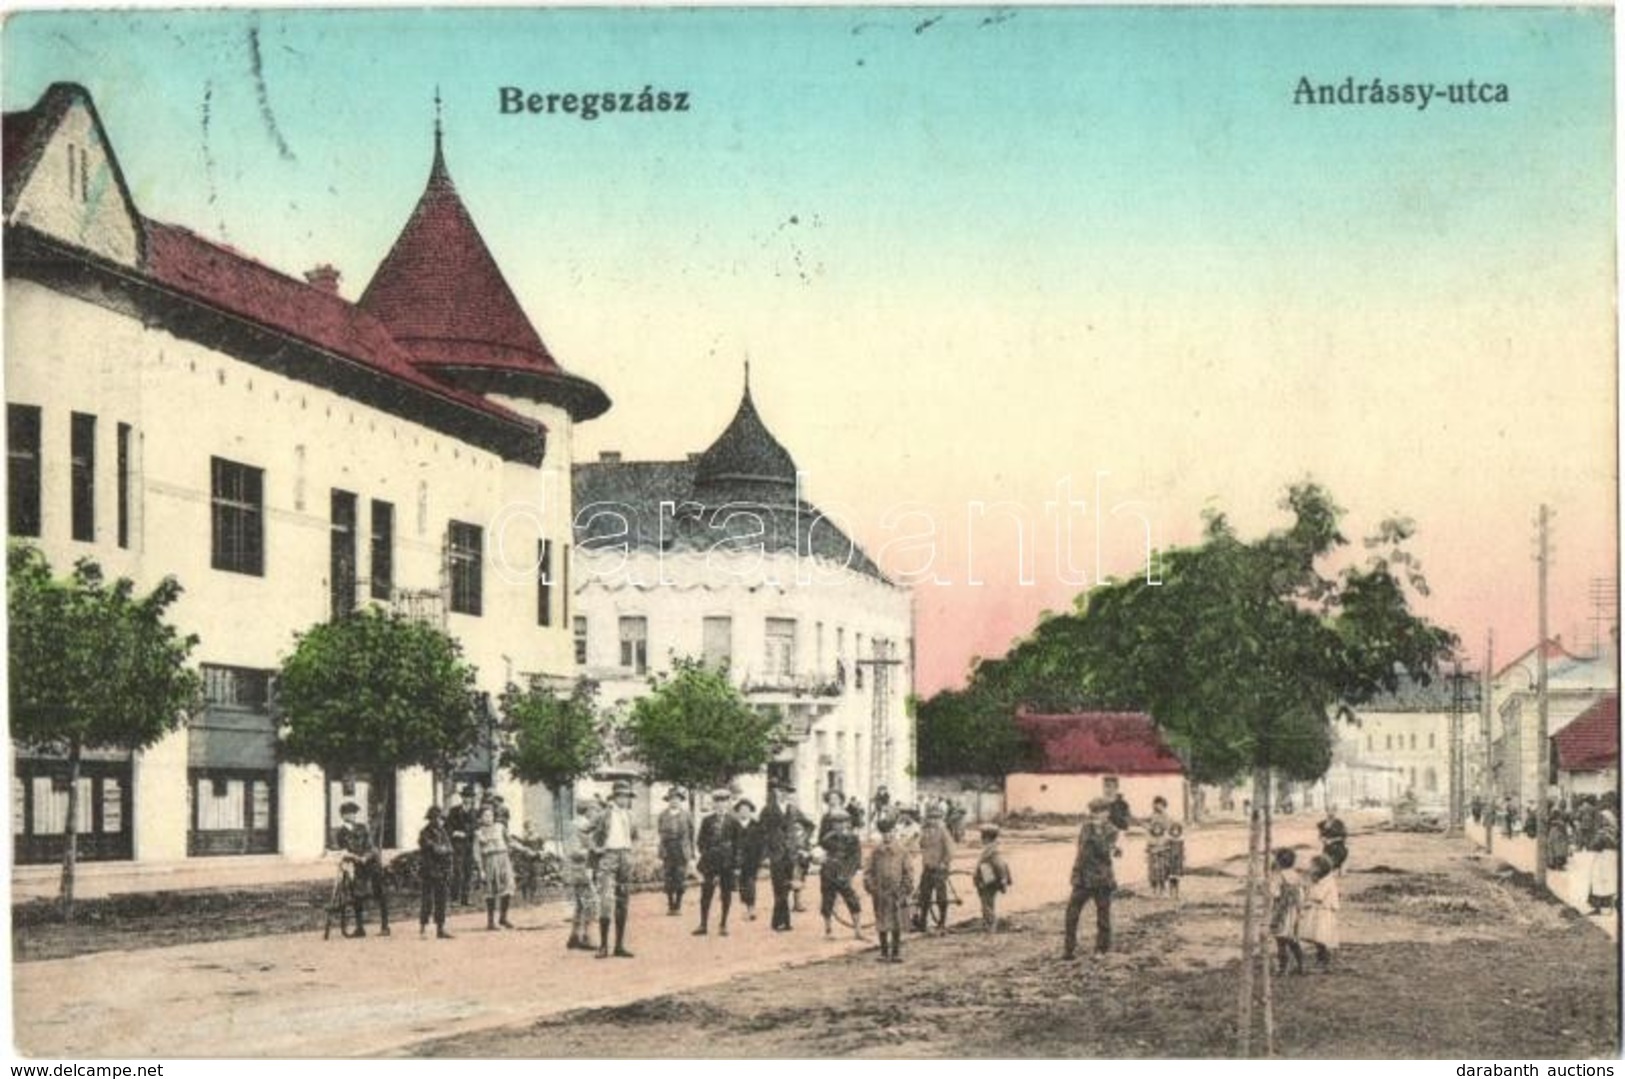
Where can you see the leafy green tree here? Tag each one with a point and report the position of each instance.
(93, 666)
(553, 739)
(970, 732)
(695, 729)
(377, 692)
(1246, 650)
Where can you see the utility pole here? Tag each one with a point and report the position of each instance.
(1543, 747)
(1457, 771)
(880, 735)
(1486, 778)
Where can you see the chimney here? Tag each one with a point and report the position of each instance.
(324, 277)
(609, 457)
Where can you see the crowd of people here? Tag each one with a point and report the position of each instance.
(1574, 824)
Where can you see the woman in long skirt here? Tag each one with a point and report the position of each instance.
(491, 842)
(1317, 921)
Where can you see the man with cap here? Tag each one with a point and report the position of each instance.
(936, 858)
(676, 829)
(461, 820)
(354, 839)
(435, 853)
(782, 824)
(721, 835)
(613, 839)
(1093, 878)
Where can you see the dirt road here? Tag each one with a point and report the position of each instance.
(1444, 957)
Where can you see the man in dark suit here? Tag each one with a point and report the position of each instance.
(460, 825)
(721, 836)
(782, 831)
(1093, 878)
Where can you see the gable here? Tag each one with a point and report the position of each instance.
(67, 183)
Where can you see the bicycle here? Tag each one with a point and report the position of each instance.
(911, 905)
(919, 913)
(341, 904)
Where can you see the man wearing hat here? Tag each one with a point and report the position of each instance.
(613, 839)
(436, 855)
(936, 858)
(782, 829)
(354, 839)
(843, 857)
(1093, 878)
(461, 820)
(676, 829)
(721, 835)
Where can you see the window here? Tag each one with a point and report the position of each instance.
(818, 647)
(1388, 741)
(717, 636)
(342, 553)
(83, 458)
(383, 549)
(236, 687)
(1430, 739)
(124, 485)
(237, 501)
(1430, 781)
(1368, 742)
(780, 660)
(635, 644)
(857, 665)
(544, 582)
(580, 629)
(23, 469)
(466, 548)
(1413, 741)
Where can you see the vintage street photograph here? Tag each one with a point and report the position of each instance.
(813, 533)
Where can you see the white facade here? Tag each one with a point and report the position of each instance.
(808, 667)
(165, 408)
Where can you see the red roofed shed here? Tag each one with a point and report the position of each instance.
(1587, 750)
(1087, 755)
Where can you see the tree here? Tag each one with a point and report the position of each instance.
(377, 692)
(695, 728)
(553, 739)
(970, 732)
(1246, 651)
(93, 666)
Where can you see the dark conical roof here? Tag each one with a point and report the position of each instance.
(746, 462)
(442, 296)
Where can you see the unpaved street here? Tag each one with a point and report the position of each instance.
(1450, 958)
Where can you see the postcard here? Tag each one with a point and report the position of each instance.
(812, 532)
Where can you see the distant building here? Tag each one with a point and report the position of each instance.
(175, 407)
(1087, 755)
(1399, 745)
(1574, 684)
(1585, 753)
(721, 558)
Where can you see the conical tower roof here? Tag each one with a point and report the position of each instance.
(746, 462)
(442, 296)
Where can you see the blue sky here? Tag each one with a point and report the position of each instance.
(972, 250)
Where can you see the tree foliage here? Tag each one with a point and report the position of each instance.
(93, 666)
(696, 729)
(969, 732)
(377, 691)
(1244, 649)
(553, 739)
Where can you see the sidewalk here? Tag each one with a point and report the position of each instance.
(1569, 885)
(297, 996)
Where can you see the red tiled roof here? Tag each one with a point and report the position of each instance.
(1591, 742)
(230, 281)
(443, 297)
(1115, 743)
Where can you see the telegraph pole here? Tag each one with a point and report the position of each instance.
(1458, 705)
(1543, 747)
(1486, 778)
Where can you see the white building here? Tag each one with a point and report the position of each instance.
(1574, 683)
(174, 407)
(722, 558)
(1399, 745)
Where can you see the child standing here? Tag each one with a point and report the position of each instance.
(1318, 922)
(842, 860)
(1175, 854)
(992, 877)
(578, 878)
(1286, 905)
(491, 841)
(1156, 858)
(890, 884)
